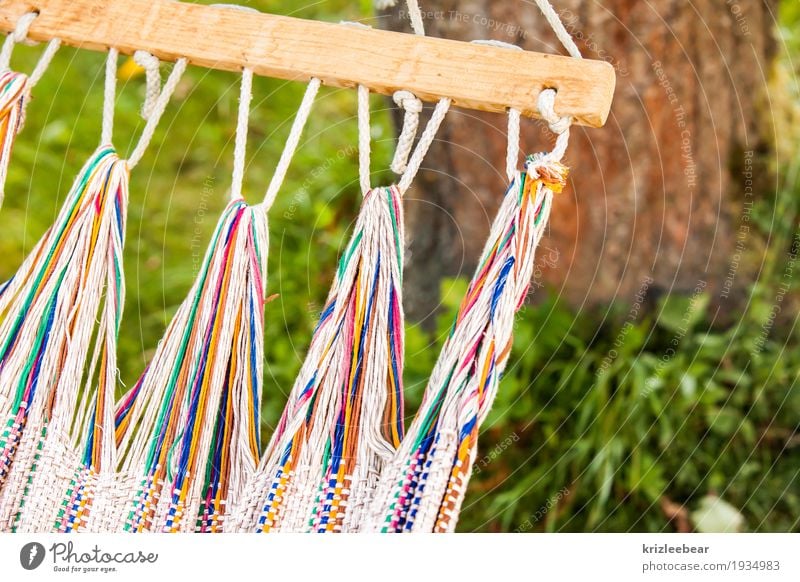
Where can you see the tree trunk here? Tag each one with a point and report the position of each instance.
(658, 193)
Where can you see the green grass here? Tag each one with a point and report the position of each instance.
(596, 421)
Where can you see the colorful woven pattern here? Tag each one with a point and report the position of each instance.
(57, 364)
(12, 110)
(344, 418)
(423, 488)
(189, 429)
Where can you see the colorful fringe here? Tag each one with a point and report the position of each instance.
(191, 423)
(344, 418)
(423, 488)
(53, 394)
(12, 110)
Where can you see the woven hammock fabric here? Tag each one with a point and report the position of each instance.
(189, 429)
(344, 417)
(12, 110)
(60, 317)
(423, 487)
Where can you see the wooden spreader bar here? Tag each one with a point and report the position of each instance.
(474, 76)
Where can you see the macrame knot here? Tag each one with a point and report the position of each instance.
(552, 173)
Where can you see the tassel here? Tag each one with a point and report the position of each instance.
(12, 110)
(423, 487)
(55, 397)
(189, 429)
(344, 418)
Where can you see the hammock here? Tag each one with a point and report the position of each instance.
(344, 418)
(15, 91)
(191, 423)
(57, 364)
(181, 450)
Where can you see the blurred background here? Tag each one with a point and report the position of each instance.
(653, 384)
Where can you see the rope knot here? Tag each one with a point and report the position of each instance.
(551, 173)
(408, 101)
(546, 104)
(23, 26)
(150, 64)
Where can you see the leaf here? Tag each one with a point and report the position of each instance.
(713, 515)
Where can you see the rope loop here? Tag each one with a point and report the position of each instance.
(363, 140)
(412, 106)
(157, 107)
(424, 144)
(151, 67)
(240, 141)
(299, 123)
(546, 105)
(20, 35)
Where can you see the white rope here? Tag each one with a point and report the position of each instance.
(554, 20)
(240, 143)
(512, 147)
(109, 97)
(44, 62)
(159, 106)
(150, 64)
(363, 139)
(20, 34)
(291, 142)
(412, 106)
(425, 141)
(415, 15)
(558, 125)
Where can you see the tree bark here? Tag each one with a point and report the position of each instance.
(659, 193)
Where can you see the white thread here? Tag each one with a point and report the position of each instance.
(407, 101)
(109, 97)
(363, 139)
(240, 143)
(150, 64)
(292, 141)
(159, 106)
(425, 141)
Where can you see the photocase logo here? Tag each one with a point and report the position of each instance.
(31, 555)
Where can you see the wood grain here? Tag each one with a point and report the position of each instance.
(474, 76)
